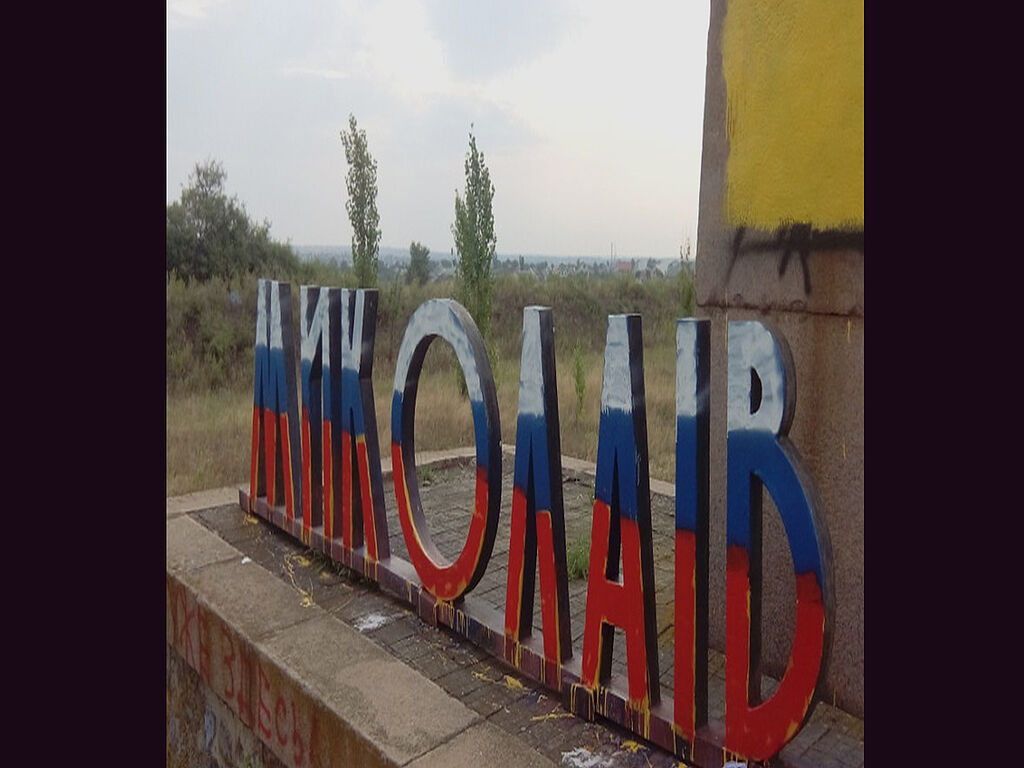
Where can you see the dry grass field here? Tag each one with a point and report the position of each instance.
(209, 370)
(209, 434)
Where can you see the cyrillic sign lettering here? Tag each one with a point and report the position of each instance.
(538, 518)
(761, 399)
(622, 520)
(363, 518)
(275, 418)
(450, 321)
(337, 479)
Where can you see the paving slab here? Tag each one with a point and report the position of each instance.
(492, 692)
(190, 546)
(190, 502)
(248, 597)
(400, 712)
(229, 526)
(482, 745)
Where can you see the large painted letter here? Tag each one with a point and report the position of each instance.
(693, 365)
(622, 511)
(275, 416)
(449, 320)
(760, 411)
(538, 518)
(363, 518)
(320, 313)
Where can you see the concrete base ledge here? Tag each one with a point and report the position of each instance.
(312, 689)
(262, 671)
(190, 502)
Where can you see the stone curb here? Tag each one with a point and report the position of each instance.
(312, 689)
(191, 502)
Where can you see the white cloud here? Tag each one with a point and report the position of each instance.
(592, 131)
(184, 12)
(327, 74)
(401, 53)
(386, 43)
(617, 109)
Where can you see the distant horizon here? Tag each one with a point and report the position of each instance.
(391, 251)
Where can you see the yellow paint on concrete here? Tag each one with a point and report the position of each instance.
(289, 562)
(514, 685)
(794, 73)
(555, 715)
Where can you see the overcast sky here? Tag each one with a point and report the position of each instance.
(589, 115)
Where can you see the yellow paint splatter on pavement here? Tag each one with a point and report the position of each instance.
(289, 564)
(556, 715)
(514, 685)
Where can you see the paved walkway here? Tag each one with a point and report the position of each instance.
(484, 684)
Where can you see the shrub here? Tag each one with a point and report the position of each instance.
(579, 378)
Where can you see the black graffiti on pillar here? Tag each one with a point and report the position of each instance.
(799, 239)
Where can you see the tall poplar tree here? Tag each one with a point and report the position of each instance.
(361, 185)
(474, 239)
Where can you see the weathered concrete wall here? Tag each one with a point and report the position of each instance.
(202, 730)
(256, 677)
(809, 60)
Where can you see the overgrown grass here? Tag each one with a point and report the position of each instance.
(210, 339)
(577, 556)
(208, 440)
(425, 475)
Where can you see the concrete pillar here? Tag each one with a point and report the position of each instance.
(790, 84)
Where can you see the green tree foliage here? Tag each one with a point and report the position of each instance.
(419, 264)
(209, 235)
(361, 185)
(474, 239)
(579, 377)
(687, 293)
